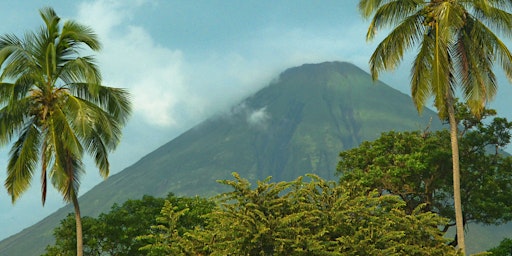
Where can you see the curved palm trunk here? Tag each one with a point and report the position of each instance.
(79, 234)
(457, 201)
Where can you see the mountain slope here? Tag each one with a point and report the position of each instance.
(296, 125)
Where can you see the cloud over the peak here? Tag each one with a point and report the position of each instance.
(131, 59)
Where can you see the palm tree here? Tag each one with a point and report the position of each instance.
(456, 52)
(54, 108)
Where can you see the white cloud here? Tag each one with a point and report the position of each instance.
(131, 59)
(258, 118)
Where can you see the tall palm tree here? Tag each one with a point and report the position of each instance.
(457, 48)
(54, 109)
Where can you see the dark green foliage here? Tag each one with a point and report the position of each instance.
(165, 237)
(503, 249)
(65, 245)
(417, 167)
(176, 219)
(114, 233)
(307, 218)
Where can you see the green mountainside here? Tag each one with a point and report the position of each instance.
(296, 125)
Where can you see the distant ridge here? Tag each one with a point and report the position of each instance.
(296, 125)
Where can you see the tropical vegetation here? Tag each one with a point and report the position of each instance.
(416, 165)
(503, 249)
(313, 217)
(456, 51)
(115, 232)
(54, 109)
(393, 197)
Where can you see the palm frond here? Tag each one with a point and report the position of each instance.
(368, 7)
(449, 16)
(81, 70)
(66, 152)
(421, 88)
(63, 133)
(500, 4)
(65, 174)
(23, 160)
(391, 14)
(90, 120)
(13, 119)
(51, 21)
(475, 66)
(499, 50)
(390, 51)
(497, 16)
(6, 93)
(15, 58)
(115, 101)
(73, 34)
(24, 85)
(441, 72)
(96, 146)
(8, 44)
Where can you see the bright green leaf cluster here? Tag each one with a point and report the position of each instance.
(317, 217)
(314, 217)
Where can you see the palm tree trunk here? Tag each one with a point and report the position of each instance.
(457, 201)
(78, 221)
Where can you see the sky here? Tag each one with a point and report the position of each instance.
(184, 61)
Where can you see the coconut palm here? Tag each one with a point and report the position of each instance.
(456, 49)
(54, 109)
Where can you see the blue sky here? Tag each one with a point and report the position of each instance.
(186, 60)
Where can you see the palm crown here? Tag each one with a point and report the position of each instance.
(457, 46)
(54, 106)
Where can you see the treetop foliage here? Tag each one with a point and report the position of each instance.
(416, 166)
(316, 217)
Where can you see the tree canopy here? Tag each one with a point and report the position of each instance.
(416, 167)
(115, 232)
(307, 216)
(317, 217)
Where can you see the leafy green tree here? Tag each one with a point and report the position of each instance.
(55, 109)
(503, 249)
(250, 222)
(316, 218)
(170, 235)
(165, 239)
(415, 166)
(112, 233)
(118, 228)
(457, 50)
(115, 232)
(65, 244)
